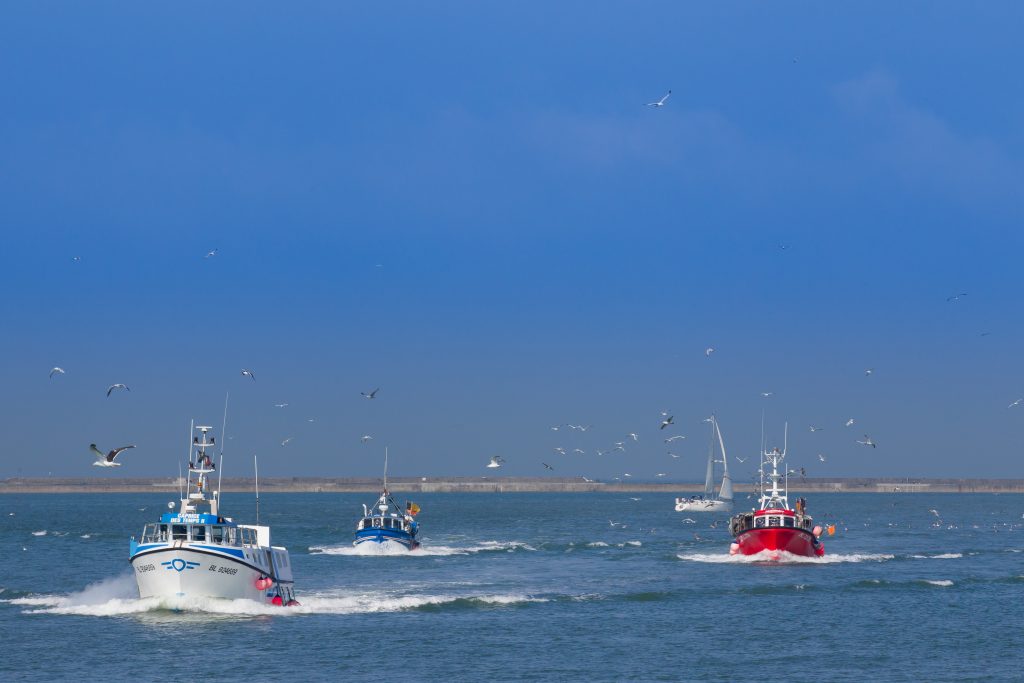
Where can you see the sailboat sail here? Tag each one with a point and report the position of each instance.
(709, 480)
(725, 493)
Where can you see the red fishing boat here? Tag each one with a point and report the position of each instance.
(774, 526)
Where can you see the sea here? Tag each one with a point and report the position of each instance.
(530, 587)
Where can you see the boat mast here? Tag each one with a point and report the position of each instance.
(220, 465)
(256, 468)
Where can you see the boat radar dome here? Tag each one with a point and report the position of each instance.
(170, 505)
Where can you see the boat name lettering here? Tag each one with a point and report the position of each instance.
(140, 568)
(185, 519)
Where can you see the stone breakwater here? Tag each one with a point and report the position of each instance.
(495, 485)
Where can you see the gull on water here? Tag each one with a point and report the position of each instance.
(107, 459)
(117, 386)
(249, 374)
(661, 102)
(496, 461)
(372, 394)
(56, 371)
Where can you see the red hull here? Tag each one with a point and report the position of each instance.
(795, 541)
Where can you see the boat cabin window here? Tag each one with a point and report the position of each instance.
(179, 532)
(199, 533)
(773, 521)
(759, 521)
(217, 534)
(787, 521)
(376, 522)
(247, 536)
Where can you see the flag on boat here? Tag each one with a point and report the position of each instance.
(412, 508)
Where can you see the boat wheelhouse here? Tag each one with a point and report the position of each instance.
(773, 526)
(198, 553)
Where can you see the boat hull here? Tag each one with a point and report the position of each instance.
(386, 538)
(181, 573)
(783, 539)
(698, 505)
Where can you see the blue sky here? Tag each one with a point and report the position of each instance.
(469, 206)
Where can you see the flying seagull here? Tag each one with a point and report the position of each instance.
(816, 429)
(849, 423)
(249, 374)
(280, 405)
(666, 422)
(372, 394)
(560, 450)
(708, 351)
(867, 441)
(741, 460)
(673, 438)
(547, 466)
(1015, 403)
(766, 394)
(211, 253)
(116, 386)
(285, 442)
(496, 461)
(673, 454)
(107, 460)
(868, 372)
(365, 437)
(661, 102)
(632, 435)
(822, 457)
(56, 371)
(956, 297)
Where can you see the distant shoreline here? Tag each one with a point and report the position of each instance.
(497, 485)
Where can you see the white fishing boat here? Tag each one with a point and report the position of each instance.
(197, 552)
(707, 502)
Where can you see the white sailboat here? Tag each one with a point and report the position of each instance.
(707, 502)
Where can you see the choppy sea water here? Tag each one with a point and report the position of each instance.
(599, 587)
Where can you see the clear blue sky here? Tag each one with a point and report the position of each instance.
(469, 206)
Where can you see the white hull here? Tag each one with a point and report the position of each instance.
(697, 505)
(183, 573)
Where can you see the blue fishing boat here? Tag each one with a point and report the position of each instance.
(386, 523)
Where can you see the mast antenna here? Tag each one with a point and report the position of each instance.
(385, 468)
(256, 468)
(223, 430)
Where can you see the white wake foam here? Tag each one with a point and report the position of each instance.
(783, 557)
(397, 550)
(90, 602)
(943, 556)
(39, 533)
(945, 583)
